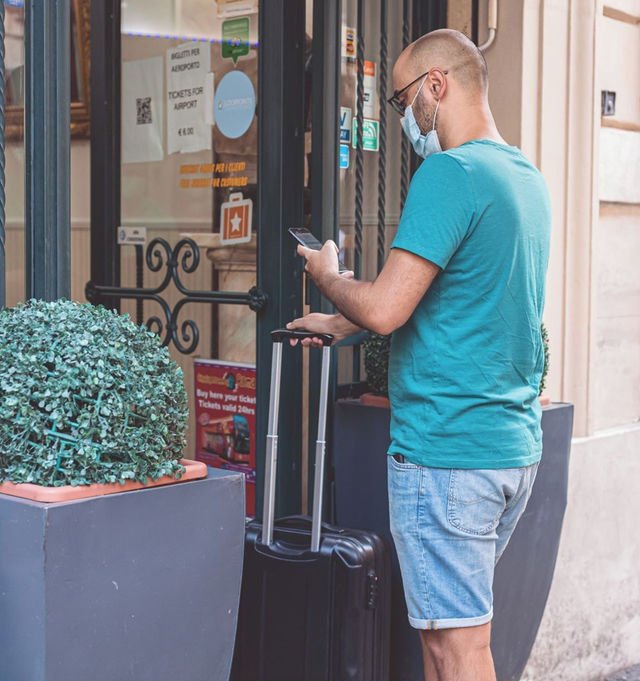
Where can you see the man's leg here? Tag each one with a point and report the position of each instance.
(460, 654)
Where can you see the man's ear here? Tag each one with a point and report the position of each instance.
(437, 83)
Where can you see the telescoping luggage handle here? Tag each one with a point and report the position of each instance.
(268, 509)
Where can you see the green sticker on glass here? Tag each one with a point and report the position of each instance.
(235, 38)
(370, 130)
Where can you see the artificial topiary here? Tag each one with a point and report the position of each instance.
(86, 396)
(545, 367)
(376, 362)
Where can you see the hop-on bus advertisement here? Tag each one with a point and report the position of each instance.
(225, 399)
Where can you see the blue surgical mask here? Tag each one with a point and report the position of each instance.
(423, 145)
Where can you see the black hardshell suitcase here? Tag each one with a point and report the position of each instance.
(315, 601)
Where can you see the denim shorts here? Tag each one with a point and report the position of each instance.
(450, 527)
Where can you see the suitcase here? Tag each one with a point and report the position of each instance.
(315, 600)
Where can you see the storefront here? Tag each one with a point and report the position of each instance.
(214, 126)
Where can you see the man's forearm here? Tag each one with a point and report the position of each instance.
(352, 298)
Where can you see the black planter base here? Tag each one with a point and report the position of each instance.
(140, 585)
(524, 573)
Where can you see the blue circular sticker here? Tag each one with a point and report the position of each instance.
(234, 104)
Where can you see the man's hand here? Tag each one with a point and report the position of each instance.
(335, 324)
(324, 263)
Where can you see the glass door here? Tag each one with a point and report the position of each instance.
(190, 208)
(189, 150)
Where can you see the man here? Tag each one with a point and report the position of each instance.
(462, 292)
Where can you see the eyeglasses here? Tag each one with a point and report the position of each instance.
(395, 100)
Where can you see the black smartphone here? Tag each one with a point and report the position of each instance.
(306, 238)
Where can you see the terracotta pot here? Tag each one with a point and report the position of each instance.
(544, 400)
(26, 490)
(374, 400)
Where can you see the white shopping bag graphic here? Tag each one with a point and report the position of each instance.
(235, 219)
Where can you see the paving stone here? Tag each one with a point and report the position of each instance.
(630, 674)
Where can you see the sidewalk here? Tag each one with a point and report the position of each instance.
(630, 674)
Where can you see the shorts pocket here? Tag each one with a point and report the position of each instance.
(476, 500)
(402, 466)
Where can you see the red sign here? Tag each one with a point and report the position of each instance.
(235, 219)
(226, 419)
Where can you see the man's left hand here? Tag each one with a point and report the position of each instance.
(323, 263)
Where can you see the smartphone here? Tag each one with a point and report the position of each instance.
(306, 238)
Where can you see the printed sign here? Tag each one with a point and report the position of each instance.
(235, 38)
(370, 136)
(231, 8)
(349, 42)
(132, 235)
(142, 111)
(369, 94)
(235, 219)
(345, 124)
(234, 104)
(225, 402)
(188, 127)
(344, 156)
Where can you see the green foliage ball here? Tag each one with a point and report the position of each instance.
(545, 369)
(86, 396)
(376, 362)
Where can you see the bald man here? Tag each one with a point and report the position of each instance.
(462, 292)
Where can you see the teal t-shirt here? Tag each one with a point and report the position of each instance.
(465, 369)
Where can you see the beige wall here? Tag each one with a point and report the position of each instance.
(547, 66)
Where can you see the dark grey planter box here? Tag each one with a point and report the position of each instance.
(525, 571)
(141, 585)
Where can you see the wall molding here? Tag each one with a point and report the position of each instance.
(619, 15)
(608, 122)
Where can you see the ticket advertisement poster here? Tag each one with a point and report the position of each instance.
(225, 401)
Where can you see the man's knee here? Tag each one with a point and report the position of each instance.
(446, 644)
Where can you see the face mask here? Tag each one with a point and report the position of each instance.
(423, 145)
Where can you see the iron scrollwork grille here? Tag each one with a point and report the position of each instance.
(184, 257)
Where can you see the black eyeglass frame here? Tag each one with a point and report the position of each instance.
(394, 100)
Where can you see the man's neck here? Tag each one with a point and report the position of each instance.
(474, 123)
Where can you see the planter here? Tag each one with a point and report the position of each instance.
(374, 400)
(138, 585)
(524, 574)
(194, 470)
(525, 571)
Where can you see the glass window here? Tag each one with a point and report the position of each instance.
(189, 171)
(14, 152)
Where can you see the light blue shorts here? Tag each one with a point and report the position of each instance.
(450, 527)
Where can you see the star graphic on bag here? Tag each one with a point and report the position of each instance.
(235, 221)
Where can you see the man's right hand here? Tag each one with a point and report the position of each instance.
(335, 324)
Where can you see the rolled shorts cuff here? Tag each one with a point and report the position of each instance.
(451, 623)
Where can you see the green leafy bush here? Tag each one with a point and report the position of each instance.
(545, 368)
(376, 362)
(86, 396)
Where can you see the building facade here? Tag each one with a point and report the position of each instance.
(221, 124)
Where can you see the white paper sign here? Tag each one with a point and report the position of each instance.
(369, 96)
(188, 127)
(234, 8)
(142, 110)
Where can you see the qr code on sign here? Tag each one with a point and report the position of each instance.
(143, 110)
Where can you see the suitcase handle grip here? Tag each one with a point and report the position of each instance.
(304, 521)
(279, 335)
